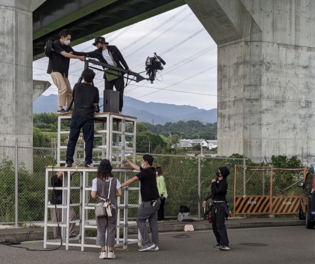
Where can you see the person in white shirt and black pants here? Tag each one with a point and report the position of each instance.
(111, 55)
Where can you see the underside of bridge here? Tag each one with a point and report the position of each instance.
(88, 19)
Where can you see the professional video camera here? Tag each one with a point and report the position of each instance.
(152, 65)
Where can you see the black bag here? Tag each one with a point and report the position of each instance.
(48, 48)
(184, 209)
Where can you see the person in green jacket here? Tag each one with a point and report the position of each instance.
(162, 192)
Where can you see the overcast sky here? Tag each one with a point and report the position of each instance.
(189, 76)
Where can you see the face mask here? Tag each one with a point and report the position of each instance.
(66, 42)
(143, 166)
(157, 173)
(218, 174)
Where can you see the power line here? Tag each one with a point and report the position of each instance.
(153, 30)
(161, 34)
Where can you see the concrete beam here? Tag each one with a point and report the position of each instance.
(39, 87)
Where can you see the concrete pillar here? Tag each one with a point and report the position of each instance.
(16, 80)
(266, 75)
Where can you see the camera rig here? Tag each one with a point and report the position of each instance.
(152, 65)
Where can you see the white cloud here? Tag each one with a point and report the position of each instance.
(180, 37)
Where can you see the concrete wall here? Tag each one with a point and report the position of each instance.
(266, 66)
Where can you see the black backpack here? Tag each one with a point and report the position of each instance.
(48, 48)
(184, 209)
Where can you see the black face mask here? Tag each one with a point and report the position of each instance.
(218, 174)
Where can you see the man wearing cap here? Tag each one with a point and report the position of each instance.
(150, 202)
(218, 192)
(111, 55)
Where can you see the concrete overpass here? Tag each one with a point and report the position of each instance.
(266, 67)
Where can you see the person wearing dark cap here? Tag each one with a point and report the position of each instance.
(103, 186)
(150, 202)
(111, 55)
(218, 193)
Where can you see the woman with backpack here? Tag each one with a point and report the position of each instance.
(105, 187)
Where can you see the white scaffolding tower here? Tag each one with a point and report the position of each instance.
(113, 130)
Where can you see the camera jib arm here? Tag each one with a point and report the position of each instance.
(139, 78)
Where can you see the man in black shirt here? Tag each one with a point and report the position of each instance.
(150, 202)
(58, 67)
(111, 55)
(56, 213)
(86, 98)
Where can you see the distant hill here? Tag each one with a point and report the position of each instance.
(153, 113)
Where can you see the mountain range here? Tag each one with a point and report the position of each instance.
(154, 113)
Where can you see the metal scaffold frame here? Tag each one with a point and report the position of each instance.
(113, 134)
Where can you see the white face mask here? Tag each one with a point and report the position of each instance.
(66, 42)
(143, 166)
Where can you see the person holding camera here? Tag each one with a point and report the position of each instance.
(58, 68)
(219, 189)
(85, 98)
(56, 213)
(103, 186)
(162, 192)
(150, 202)
(111, 55)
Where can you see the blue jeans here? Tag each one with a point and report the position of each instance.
(88, 135)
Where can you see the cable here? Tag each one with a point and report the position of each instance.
(161, 34)
(153, 30)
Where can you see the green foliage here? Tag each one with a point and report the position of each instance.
(284, 162)
(147, 142)
(190, 129)
(40, 139)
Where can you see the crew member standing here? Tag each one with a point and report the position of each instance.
(218, 192)
(58, 68)
(111, 55)
(85, 98)
(150, 202)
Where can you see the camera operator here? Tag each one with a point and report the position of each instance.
(218, 193)
(150, 202)
(58, 68)
(56, 213)
(111, 55)
(85, 98)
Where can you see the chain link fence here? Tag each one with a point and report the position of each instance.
(22, 182)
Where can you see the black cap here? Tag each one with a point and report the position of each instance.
(104, 166)
(224, 171)
(101, 40)
(148, 158)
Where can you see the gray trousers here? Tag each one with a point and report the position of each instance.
(147, 211)
(57, 214)
(106, 225)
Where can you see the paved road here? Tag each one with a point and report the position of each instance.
(289, 245)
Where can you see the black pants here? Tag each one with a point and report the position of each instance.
(119, 85)
(218, 224)
(88, 135)
(161, 210)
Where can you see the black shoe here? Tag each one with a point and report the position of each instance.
(88, 164)
(217, 246)
(226, 248)
(62, 111)
(68, 165)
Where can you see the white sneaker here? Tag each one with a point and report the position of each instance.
(103, 255)
(111, 255)
(155, 249)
